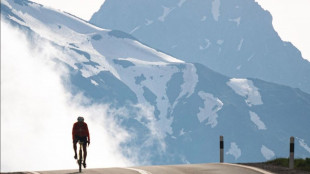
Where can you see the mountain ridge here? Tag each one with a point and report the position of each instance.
(235, 38)
(173, 110)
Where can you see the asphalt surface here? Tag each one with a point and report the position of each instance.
(214, 168)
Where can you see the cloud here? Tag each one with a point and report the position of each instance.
(37, 112)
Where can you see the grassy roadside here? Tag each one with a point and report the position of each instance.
(299, 164)
(281, 166)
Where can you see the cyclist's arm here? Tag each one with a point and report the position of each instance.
(73, 132)
(88, 133)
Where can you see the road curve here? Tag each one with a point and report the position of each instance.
(212, 168)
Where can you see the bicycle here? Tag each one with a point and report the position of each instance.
(81, 155)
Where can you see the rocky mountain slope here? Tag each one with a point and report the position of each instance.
(174, 111)
(235, 38)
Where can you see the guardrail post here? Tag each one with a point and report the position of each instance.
(291, 161)
(221, 149)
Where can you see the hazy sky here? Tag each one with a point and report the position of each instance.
(290, 17)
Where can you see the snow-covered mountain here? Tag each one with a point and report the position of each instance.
(174, 111)
(235, 38)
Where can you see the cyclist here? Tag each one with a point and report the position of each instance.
(80, 132)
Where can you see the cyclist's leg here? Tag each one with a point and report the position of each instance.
(85, 150)
(74, 147)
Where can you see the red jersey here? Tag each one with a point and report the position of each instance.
(80, 129)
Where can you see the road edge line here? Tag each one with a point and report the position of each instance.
(138, 170)
(249, 167)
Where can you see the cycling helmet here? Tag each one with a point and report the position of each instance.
(80, 119)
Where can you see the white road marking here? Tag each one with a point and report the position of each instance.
(249, 167)
(139, 170)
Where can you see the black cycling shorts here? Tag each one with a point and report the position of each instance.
(78, 138)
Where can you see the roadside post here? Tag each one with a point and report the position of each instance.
(221, 149)
(291, 161)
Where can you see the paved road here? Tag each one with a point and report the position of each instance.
(214, 168)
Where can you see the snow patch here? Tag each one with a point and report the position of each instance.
(94, 82)
(245, 88)
(148, 22)
(203, 18)
(16, 20)
(220, 42)
(156, 54)
(142, 62)
(256, 120)
(216, 9)
(240, 44)
(211, 106)
(303, 144)
(165, 13)
(205, 45)
(161, 74)
(234, 150)
(135, 29)
(6, 3)
(64, 35)
(267, 153)
(236, 20)
(182, 132)
(89, 70)
(181, 2)
(190, 81)
(250, 58)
